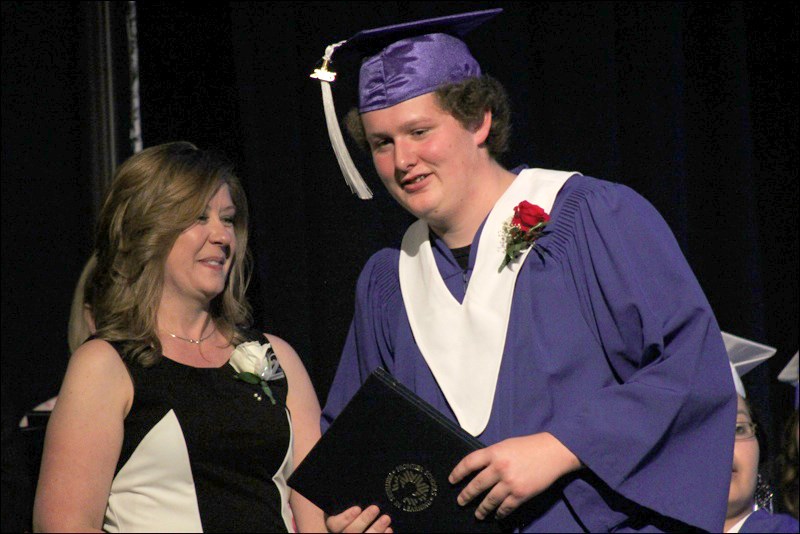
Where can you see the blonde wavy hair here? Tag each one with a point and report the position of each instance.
(78, 327)
(155, 195)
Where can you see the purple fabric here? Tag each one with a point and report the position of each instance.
(611, 347)
(763, 521)
(412, 67)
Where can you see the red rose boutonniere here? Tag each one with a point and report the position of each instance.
(522, 231)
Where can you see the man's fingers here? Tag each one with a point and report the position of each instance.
(364, 519)
(492, 501)
(337, 523)
(471, 462)
(481, 483)
(381, 525)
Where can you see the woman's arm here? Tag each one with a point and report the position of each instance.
(83, 441)
(304, 407)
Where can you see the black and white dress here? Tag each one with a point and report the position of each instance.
(202, 451)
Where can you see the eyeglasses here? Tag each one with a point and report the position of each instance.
(745, 431)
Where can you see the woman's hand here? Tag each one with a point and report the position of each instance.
(513, 471)
(355, 520)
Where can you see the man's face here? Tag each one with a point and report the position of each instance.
(424, 157)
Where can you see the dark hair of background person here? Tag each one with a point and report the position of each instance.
(787, 482)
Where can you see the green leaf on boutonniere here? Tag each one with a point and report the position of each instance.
(506, 260)
(265, 389)
(250, 378)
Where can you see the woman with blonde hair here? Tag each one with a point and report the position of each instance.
(176, 416)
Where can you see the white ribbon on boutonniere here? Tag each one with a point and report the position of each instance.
(256, 363)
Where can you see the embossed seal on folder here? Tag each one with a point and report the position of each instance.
(411, 487)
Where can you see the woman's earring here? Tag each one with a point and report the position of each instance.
(763, 495)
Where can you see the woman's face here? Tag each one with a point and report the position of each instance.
(745, 466)
(198, 264)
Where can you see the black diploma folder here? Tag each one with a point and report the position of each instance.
(390, 448)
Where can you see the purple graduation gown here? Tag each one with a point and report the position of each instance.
(611, 347)
(763, 521)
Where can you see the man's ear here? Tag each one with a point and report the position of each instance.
(481, 132)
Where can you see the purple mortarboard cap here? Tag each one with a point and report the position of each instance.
(407, 60)
(400, 62)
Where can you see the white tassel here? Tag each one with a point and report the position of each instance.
(349, 170)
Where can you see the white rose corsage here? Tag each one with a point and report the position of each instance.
(256, 364)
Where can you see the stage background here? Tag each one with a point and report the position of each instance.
(694, 105)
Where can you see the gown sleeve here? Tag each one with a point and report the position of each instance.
(763, 521)
(368, 344)
(661, 434)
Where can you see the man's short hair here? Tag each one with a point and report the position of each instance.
(466, 101)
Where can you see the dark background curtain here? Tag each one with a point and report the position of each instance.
(694, 105)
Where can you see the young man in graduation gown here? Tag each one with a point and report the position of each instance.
(571, 348)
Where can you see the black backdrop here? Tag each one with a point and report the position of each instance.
(694, 105)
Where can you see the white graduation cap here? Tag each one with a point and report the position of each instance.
(789, 375)
(790, 372)
(744, 355)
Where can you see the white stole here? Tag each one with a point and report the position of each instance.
(463, 343)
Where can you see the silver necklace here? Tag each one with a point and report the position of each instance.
(195, 341)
